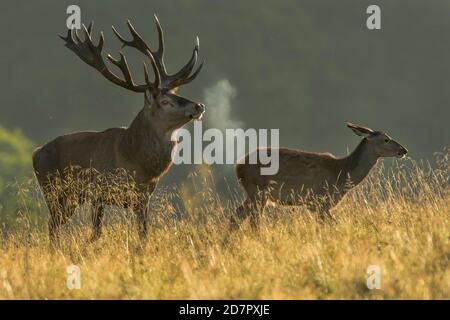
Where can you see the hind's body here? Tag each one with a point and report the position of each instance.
(304, 178)
(317, 180)
(299, 173)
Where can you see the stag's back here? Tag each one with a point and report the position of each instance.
(88, 149)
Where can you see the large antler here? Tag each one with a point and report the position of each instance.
(168, 81)
(92, 55)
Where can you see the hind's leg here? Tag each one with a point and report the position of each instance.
(323, 208)
(253, 206)
(258, 209)
(238, 216)
(325, 215)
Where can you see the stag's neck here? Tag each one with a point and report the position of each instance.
(148, 144)
(358, 164)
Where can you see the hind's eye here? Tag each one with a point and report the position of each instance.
(386, 140)
(164, 102)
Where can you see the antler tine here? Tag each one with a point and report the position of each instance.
(147, 80)
(101, 41)
(122, 64)
(92, 55)
(89, 28)
(160, 52)
(76, 35)
(88, 39)
(136, 42)
(187, 69)
(68, 37)
(183, 81)
(166, 80)
(157, 81)
(121, 39)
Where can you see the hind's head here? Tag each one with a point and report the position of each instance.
(382, 144)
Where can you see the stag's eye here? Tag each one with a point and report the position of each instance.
(164, 102)
(386, 140)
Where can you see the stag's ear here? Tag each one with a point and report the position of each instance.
(359, 130)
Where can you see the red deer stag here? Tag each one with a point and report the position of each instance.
(142, 150)
(318, 180)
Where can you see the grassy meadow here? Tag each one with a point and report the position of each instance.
(398, 219)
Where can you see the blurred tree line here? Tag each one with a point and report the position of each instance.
(15, 171)
(304, 66)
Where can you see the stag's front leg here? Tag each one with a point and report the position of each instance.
(142, 221)
(142, 211)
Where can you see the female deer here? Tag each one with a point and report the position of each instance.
(318, 180)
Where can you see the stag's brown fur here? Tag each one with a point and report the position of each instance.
(317, 180)
(142, 151)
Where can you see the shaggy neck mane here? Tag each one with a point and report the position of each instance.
(147, 146)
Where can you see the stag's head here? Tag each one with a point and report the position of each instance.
(166, 106)
(382, 144)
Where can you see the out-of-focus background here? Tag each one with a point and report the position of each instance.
(304, 67)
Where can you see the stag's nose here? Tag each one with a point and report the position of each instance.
(200, 107)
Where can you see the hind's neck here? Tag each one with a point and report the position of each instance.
(358, 164)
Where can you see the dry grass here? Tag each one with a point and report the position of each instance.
(399, 221)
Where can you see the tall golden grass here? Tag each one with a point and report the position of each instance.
(398, 219)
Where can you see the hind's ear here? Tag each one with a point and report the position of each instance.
(359, 130)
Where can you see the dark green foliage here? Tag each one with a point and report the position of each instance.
(15, 172)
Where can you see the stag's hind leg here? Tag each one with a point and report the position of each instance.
(55, 222)
(60, 211)
(142, 210)
(97, 216)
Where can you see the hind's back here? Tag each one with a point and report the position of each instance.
(297, 169)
